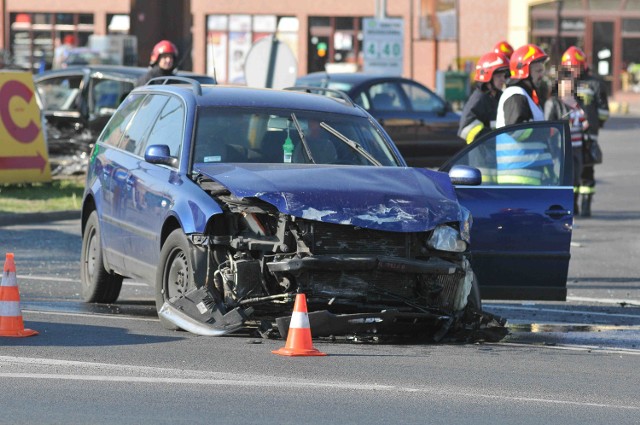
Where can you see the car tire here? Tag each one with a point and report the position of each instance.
(474, 300)
(175, 274)
(98, 284)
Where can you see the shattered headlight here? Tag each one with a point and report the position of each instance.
(446, 238)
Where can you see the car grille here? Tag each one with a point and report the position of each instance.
(377, 287)
(340, 239)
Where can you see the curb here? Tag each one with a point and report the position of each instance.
(39, 217)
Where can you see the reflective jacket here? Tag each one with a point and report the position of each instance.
(521, 160)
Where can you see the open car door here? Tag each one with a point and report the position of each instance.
(523, 210)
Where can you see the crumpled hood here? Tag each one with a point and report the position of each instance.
(394, 199)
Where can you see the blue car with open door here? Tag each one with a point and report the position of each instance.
(521, 232)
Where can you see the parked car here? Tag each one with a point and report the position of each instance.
(422, 124)
(230, 200)
(77, 103)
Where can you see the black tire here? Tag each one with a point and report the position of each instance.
(98, 285)
(474, 300)
(175, 272)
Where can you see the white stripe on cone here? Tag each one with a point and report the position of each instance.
(9, 279)
(10, 309)
(299, 320)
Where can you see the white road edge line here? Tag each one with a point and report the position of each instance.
(553, 310)
(604, 300)
(106, 316)
(228, 379)
(66, 279)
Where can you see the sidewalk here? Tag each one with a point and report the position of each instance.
(39, 217)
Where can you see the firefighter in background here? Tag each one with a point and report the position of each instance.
(519, 103)
(479, 112)
(504, 48)
(593, 99)
(162, 63)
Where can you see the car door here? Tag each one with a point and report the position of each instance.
(437, 130)
(153, 188)
(61, 97)
(521, 232)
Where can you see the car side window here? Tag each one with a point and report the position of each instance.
(106, 95)
(60, 93)
(385, 97)
(522, 157)
(168, 128)
(141, 122)
(421, 99)
(118, 124)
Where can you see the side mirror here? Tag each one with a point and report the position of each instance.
(465, 175)
(160, 154)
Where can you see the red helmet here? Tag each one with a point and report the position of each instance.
(574, 56)
(523, 57)
(504, 48)
(164, 46)
(488, 64)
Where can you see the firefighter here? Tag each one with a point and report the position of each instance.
(504, 48)
(479, 112)
(593, 99)
(519, 103)
(163, 61)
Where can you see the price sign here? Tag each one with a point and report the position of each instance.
(383, 46)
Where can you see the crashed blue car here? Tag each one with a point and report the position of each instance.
(231, 200)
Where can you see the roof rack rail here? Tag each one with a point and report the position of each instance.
(174, 79)
(325, 91)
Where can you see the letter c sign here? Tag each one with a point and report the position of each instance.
(7, 92)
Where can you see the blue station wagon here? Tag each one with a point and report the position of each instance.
(231, 200)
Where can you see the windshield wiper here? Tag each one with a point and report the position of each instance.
(353, 145)
(302, 139)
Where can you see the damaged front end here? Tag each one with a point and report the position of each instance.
(358, 280)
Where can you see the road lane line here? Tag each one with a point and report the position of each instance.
(288, 384)
(66, 279)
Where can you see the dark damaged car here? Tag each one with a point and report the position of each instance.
(232, 200)
(77, 102)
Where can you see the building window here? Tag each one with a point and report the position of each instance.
(230, 37)
(36, 37)
(334, 44)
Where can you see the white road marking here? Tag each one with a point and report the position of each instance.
(102, 315)
(227, 379)
(604, 300)
(66, 279)
(552, 310)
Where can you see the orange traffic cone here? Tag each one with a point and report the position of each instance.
(299, 336)
(10, 313)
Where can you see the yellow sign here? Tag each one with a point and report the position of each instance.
(23, 152)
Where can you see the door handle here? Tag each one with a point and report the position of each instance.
(557, 211)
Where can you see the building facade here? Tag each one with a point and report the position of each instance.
(437, 35)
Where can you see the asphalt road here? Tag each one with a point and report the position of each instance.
(563, 362)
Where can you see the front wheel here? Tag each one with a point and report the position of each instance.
(175, 274)
(98, 285)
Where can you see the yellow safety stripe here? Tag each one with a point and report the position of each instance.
(587, 190)
(521, 180)
(471, 130)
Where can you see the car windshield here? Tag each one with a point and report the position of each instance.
(227, 135)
